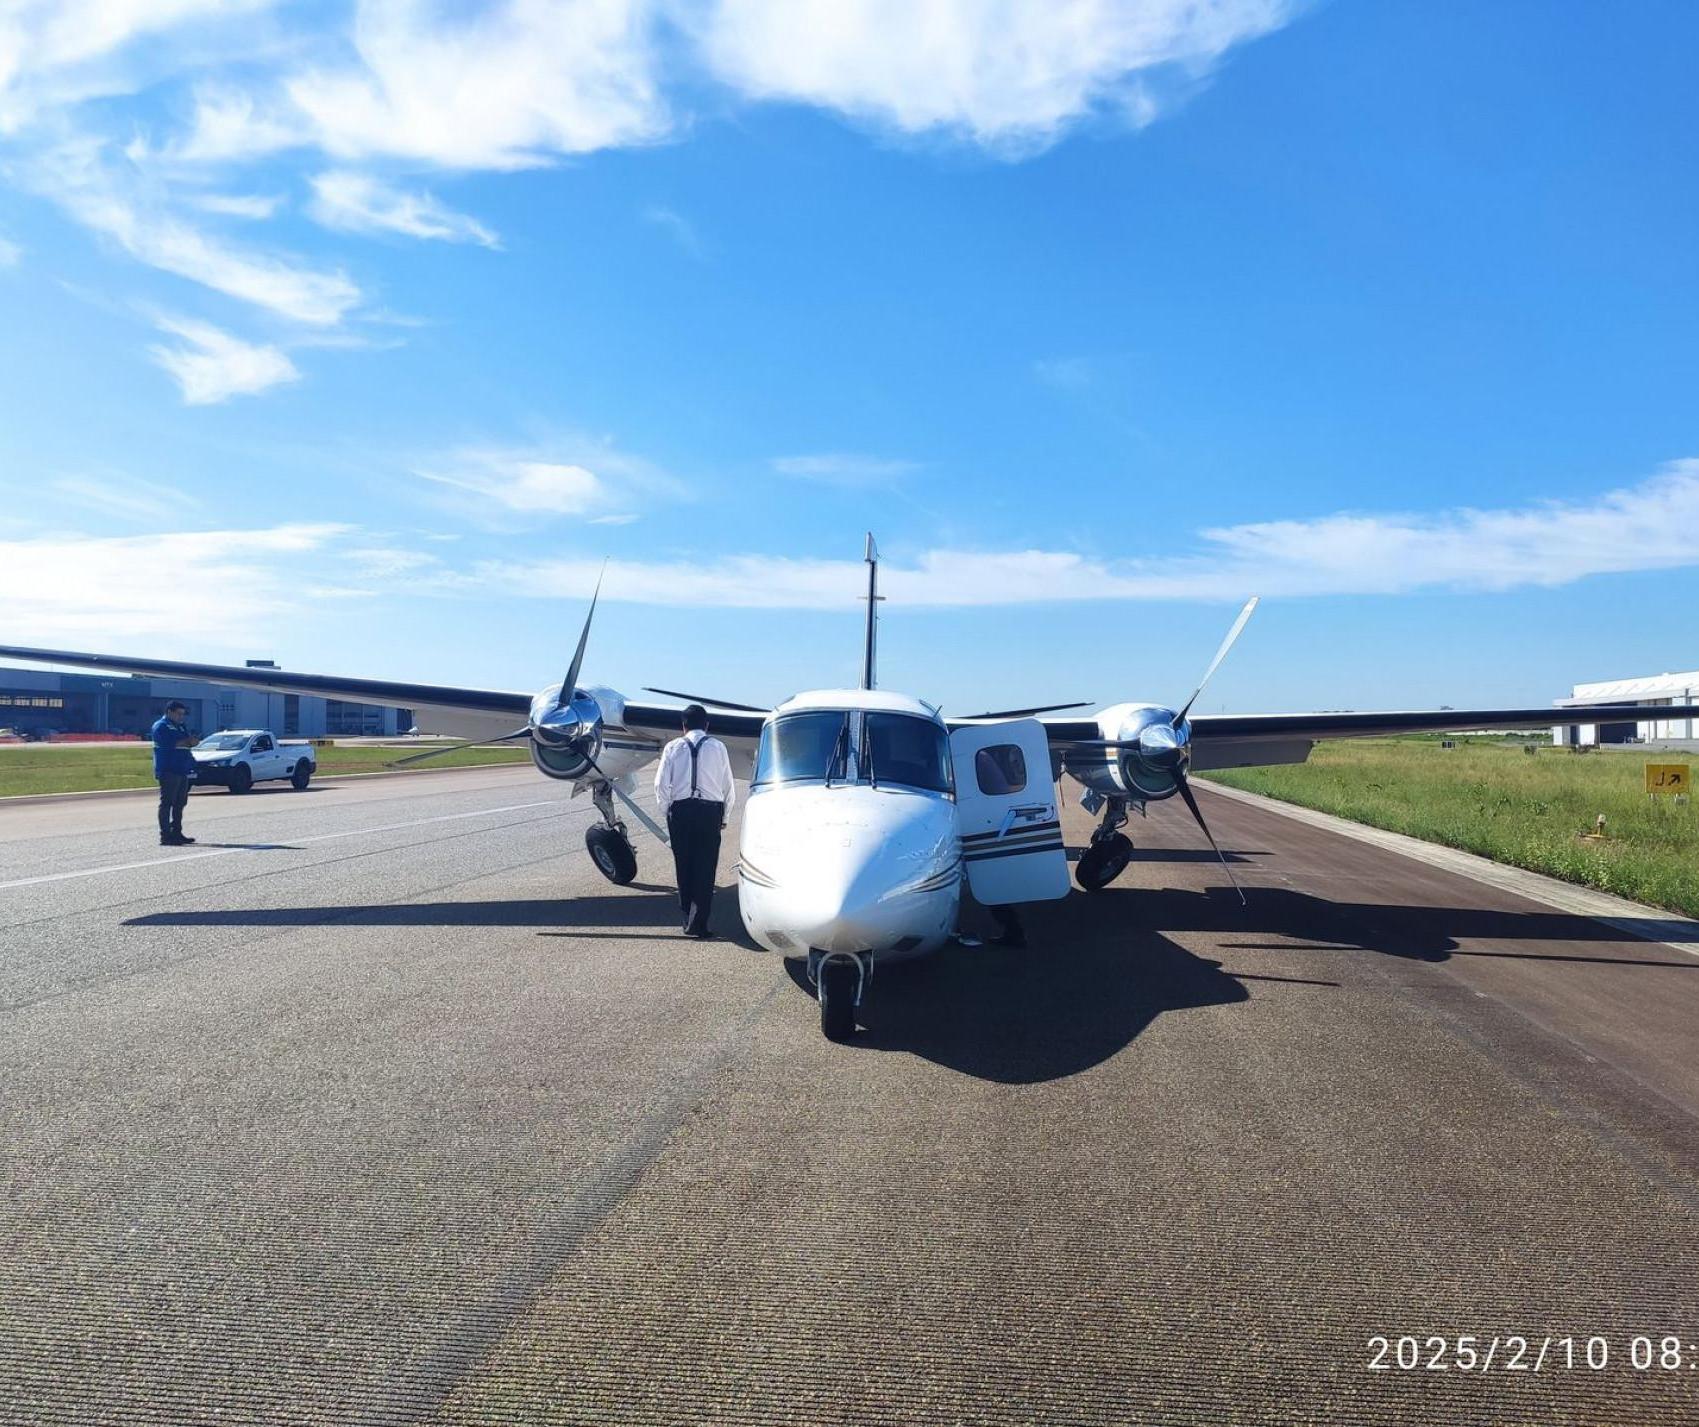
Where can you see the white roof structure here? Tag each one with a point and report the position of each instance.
(1681, 687)
(877, 700)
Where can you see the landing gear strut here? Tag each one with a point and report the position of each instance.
(1110, 850)
(839, 979)
(609, 846)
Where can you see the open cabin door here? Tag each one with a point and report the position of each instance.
(1006, 802)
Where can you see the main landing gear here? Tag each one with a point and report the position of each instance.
(609, 846)
(1110, 850)
(839, 979)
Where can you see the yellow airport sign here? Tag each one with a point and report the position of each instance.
(1669, 778)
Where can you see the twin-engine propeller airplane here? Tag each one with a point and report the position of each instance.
(868, 809)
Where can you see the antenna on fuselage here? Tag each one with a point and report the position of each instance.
(870, 654)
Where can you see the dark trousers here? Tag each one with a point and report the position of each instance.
(173, 793)
(693, 825)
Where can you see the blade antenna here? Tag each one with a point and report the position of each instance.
(570, 683)
(1220, 654)
(1197, 812)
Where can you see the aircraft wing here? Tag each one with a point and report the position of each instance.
(1256, 740)
(443, 708)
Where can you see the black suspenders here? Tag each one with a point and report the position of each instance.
(695, 749)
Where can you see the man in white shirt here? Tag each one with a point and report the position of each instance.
(694, 790)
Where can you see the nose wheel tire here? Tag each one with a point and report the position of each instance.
(1104, 861)
(837, 985)
(612, 854)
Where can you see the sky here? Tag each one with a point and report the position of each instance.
(361, 334)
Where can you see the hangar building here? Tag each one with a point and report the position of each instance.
(1652, 690)
(38, 701)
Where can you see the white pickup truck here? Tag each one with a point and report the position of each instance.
(239, 758)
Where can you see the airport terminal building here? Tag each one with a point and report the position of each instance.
(1653, 690)
(36, 702)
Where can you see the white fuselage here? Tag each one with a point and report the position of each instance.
(850, 864)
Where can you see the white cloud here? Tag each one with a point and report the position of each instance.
(10, 252)
(1651, 526)
(1003, 73)
(231, 124)
(843, 468)
(124, 497)
(572, 476)
(679, 228)
(76, 175)
(200, 585)
(358, 203)
(256, 206)
(505, 87)
(1069, 373)
(215, 366)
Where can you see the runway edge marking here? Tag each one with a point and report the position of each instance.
(1647, 923)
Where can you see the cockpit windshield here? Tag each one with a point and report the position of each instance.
(839, 745)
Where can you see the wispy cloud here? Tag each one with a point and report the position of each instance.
(77, 175)
(107, 589)
(1065, 372)
(358, 203)
(214, 366)
(572, 477)
(10, 252)
(124, 497)
(1650, 526)
(845, 468)
(677, 227)
(257, 206)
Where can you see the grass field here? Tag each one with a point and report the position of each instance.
(31, 768)
(1490, 797)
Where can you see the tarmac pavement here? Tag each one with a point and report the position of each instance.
(380, 1105)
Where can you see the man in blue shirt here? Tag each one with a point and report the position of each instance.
(174, 767)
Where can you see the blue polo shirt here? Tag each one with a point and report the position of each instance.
(167, 756)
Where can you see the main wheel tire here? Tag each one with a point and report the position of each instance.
(1102, 862)
(612, 854)
(837, 999)
(302, 775)
(241, 778)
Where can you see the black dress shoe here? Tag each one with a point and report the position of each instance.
(177, 840)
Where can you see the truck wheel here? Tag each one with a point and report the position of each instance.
(612, 854)
(241, 778)
(301, 776)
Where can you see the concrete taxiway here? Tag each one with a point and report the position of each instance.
(380, 1105)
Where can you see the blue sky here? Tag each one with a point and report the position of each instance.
(359, 335)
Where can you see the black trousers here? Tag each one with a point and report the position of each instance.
(173, 793)
(693, 825)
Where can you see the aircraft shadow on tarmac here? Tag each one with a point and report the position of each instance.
(1096, 972)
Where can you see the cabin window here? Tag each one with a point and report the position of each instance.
(1000, 769)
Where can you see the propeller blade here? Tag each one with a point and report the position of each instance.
(711, 703)
(636, 811)
(1220, 654)
(570, 682)
(1027, 713)
(456, 747)
(1197, 812)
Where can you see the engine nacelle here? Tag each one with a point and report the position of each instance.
(565, 737)
(1147, 770)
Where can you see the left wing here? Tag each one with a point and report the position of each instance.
(443, 708)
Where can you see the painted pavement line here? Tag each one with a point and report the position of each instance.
(298, 841)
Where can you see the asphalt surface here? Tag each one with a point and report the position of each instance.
(379, 1105)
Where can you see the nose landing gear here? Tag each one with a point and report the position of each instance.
(839, 979)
